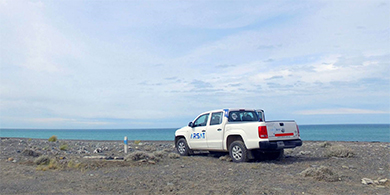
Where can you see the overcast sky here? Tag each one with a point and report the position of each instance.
(158, 64)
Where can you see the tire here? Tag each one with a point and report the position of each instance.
(276, 155)
(182, 147)
(238, 152)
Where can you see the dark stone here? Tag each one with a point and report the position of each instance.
(32, 153)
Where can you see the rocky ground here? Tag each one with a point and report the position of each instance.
(35, 166)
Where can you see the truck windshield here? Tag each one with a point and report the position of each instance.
(237, 116)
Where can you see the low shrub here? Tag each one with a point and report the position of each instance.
(53, 164)
(137, 142)
(159, 154)
(73, 164)
(340, 152)
(321, 173)
(173, 155)
(150, 148)
(42, 160)
(53, 138)
(139, 156)
(64, 147)
(325, 145)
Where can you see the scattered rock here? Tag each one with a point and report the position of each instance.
(150, 148)
(325, 145)
(383, 181)
(98, 150)
(225, 158)
(304, 152)
(173, 155)
(367, 181)
(32, 153)
(95, 157)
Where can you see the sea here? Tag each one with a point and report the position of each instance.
(346, 132)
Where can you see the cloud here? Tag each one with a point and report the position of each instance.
(339, 111)
(198, 84)
(142, 61)
(49, 121)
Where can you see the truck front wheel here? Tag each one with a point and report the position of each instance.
(238, 152)
(182, 147)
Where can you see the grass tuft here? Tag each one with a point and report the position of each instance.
(53, 138)
(42, 160)
(64, 147)
(137, 142)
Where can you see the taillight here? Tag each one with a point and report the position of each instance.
(263, 132)
(298, 130)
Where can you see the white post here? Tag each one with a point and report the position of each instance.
(126, 145)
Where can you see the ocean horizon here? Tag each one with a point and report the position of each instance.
(332, 132)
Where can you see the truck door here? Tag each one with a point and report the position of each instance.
(214, 133)
(198, 133)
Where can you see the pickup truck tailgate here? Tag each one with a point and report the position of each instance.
(282, 130)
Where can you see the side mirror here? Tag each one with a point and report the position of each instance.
(190, 124)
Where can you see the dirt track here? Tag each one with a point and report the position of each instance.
(155, 168)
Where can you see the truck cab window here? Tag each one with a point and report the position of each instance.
(201, 121)
(216, 118)
(236, 116)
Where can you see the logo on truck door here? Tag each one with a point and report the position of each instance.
(198, 135)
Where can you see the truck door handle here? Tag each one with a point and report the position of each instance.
(219, 129)
(203, 130)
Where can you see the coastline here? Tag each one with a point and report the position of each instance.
(154, 167)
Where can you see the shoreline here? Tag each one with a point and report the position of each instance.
(86, 140)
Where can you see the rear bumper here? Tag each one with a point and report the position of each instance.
(272, 145)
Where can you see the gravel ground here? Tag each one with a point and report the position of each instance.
(36, 166)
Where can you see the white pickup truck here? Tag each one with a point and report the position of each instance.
(243, 133)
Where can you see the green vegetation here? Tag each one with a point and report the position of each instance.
(64, 147)
(72, 164)
(53, 138)
(136, 142)
(42, 160)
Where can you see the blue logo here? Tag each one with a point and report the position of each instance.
(198, 135)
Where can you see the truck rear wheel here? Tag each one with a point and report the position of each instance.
(182, 147)
(238, 151)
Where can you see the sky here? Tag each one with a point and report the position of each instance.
(158, 64)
